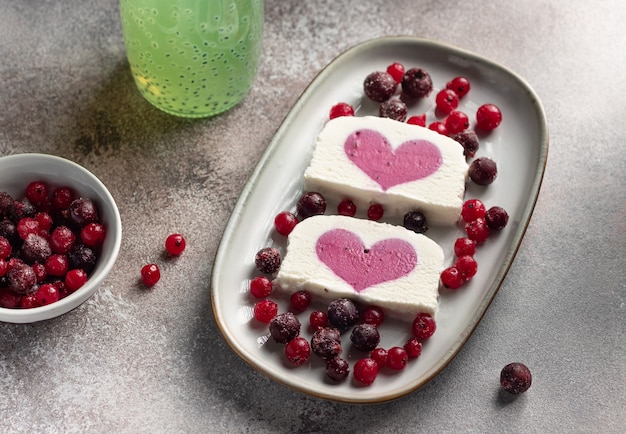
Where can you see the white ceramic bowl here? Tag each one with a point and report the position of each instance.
(16, 171)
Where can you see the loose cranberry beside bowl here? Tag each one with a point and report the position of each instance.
(16, 173)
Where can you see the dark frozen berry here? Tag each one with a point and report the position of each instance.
(267, 260)
(397, 358)
(299, 301)
(346, 207)
(416, 83)
(37, 192)
(27, 226)
(298, 351)
(310, 204)
(341, 109)
(396, 70)
(379, 86)
(9, 299)
(393, 109)
(83, 211)
(472, 209)
(451, 278)
(483, 171)
(6, 202)
(343, 314)
(365, 337)
(372, 315)
(516, 378)
(260, 287)
(415, 221)
(456, 122)
(496, 218)
(446, 101)
(413, 347)
(488, 117)
(174, 243)
(423, 326)
(285, 222)
(469, 140)
(8, 230)
(365, 371)
(375, 212)
(22, 208)
(337, 369)
(21, 278)
(82, 257)
(326, 343)
(459, 85)
(265, 310)
(284, 327)
(477, 230)
(35, 249)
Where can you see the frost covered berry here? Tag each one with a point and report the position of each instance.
(516, 378)
(267, 260)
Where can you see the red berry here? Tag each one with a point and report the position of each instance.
(464, 246)
(29, 301)
(516, 378)
(260, 287)
(284, 222)
(298, 351)
(397, 358)
(265, 310)
(423, 326)
(477, 230)
(318, 319)
(5, 248)
(467, 266)
(40, 271)
(380, 356)
(150, 274)
(4, 267)
(396, 70)
(93, 234)
(451, 278)
(57, 265)
(413, 348)
(62, 240)
(9, 299)
(74, 279)
(62, 197)
(460, 86)
(299, 301)
(365, 371)
(37, 192)
(419, 120)
(341, 109)
(372, 315)
(375, 212)
(174, 244)
(438, 127)
(346, 207)
(488, 117)
(472, 209)
(27, 226)
(446, 101)
(45, 221)
(456, 122)
(47, 294)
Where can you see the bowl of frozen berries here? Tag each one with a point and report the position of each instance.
(60, 234)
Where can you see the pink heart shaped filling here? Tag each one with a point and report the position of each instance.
(372, 153)
(345, 254)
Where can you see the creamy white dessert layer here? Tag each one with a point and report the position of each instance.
(401, 166)
(366, 261)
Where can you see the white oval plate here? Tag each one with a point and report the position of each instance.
(519, 146)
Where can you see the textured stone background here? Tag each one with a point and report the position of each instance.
(140, 362)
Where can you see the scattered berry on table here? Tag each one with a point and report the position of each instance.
(365, 371)
(267, 260)
(413, 347)
(397, 358)
(396, 70)
(318, 319)
(459, 85)
(365, 337)
(446, 101)
(380, 356)
(496, 218)
(310, 204)
(375, 212)
(456, 122)
(438, 127)
(174, 244)
(467, 266)
(419, 120)
(346, 207)
(477, 230)
(469, 140)
(326, 343)
(299, 301)
(341, 109)
(260, 287)
(372, 315)
(516, 378)
(343, 313)
(394, 109)
(488, 117)
(337, 369)
(265, 310)
(464, 246)
(451, 278)
(423, 326)
(472, 209)
(284, 327)
(379, 86)
(415, 221)
(150, 274)
(416, 83)
(298, 351)
(285, 222)
(483, 171)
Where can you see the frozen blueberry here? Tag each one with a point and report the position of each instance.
(343, 314)
(326, 343)
(284, 327)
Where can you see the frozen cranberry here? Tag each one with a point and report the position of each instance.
(75, 279)
(62, 240)
(93, 234)
(337, 369)
(365, 371)
(365, 337)
(299, 301)
(488, 117)
(83, 211)
(343, 313)
(9, 299)
(57, 265)
(446, 101)
(310, 204)
(174, 244)
(419, 120)
(5, 248)
(423, 326)
(451, 278)
(284, 327)
(456, 122)
(47, 294)
(45, 220)
(516, 378)
(464, 246)
(416, 83)
(150, 274)
(37, 192)
(379, 86)
(467, 266)
(265, 310)
(285, 222)
(413, 348)
(396, 70)
(372, 315)
(496, 218)
(460, 86)
(297, 351)
(29, 301)
(397, 358)
(341, 109)
(483, 171)
(267, 260)
(40, 271)
(26, 226)
(35, 249)
(380, 355)
(415, 221)
(393, 109)
(260, 287)
(477, 230)
(438, 127)
(318, 319)
(21, 278)
(62, 197)
(375, 212)
(469, 140)
(346, 207)
(472, 209)
(326, 343)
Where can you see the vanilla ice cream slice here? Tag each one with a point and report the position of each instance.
(401, 166)
(366, 261)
